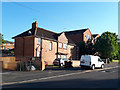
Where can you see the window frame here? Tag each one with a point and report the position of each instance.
(50, 47)
(59, 45)
(65, 46)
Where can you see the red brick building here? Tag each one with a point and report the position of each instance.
(37, 42)
(7, 45)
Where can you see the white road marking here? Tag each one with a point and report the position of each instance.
(19, 82)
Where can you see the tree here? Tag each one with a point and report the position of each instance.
(90, 47)
(82, 48)
(1, 39)
(107, 45)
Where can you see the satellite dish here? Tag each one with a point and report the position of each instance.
(29, 32)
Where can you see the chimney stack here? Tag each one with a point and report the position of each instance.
(34, 24)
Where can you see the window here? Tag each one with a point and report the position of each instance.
(85, 36)
(38, 53)
(60, 45)
(71, 50)
(4, 43)
(65, 56)
(99, 60)
(39, 40)
(59, 56)
(50, 45)
(65, 46)
(8, 44)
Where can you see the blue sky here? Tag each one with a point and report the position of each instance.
(59, 16)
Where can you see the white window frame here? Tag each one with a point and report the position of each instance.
(39, 41)
(50, 46)
(38, 53)
(65, 46)
(60, 45)
(59, 56)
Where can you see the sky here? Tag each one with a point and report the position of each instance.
(99, 17)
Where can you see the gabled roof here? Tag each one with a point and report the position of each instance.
(29, 32)
(75, 31)
(38, 32)
(94, 35)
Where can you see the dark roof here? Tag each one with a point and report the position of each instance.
(94, 35)
(46, 33)
(76, 31)
(49, 34)
(26, 33)
(6, 41)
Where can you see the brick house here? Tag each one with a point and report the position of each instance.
(39, 42)
(7, 45)
(77, 36)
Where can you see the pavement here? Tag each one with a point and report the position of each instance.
(63, 78)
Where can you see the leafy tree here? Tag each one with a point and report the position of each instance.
(82, 47)
(90, 47)
(1, 39)
(107, 45)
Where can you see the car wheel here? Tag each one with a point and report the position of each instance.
(93, 67)
(102, 66)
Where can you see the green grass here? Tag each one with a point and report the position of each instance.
(52, 66)
(115, 60)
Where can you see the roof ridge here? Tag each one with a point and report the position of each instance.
(47, 30)
(77, 30)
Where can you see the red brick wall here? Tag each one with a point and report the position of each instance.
(19, 47)
(87, 32)
(24, 46)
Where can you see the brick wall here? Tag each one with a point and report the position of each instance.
(24, 46)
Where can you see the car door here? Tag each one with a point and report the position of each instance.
(99, 62)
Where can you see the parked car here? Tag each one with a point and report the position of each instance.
(91, 61)
(46, 63)
(61, 60)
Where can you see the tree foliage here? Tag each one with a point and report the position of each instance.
(1, 39)
(107, 45)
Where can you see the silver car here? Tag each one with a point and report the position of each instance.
(61, 61)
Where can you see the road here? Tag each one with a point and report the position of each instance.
(63, 78)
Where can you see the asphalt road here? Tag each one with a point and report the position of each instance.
(63, 78)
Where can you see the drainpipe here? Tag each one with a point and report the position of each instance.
(41, 52)
(23, 46)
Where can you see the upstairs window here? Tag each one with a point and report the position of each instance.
(85, 36)
(50, 45)
(65, 46)
(60, 45)
(38, 53)
(39, 40)
(8, 44)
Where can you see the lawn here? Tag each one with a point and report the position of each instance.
(115, 60)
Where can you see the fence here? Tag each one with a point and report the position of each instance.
(18, 63)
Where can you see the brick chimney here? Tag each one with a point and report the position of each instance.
(34, 24)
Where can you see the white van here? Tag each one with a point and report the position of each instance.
(91, 61)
